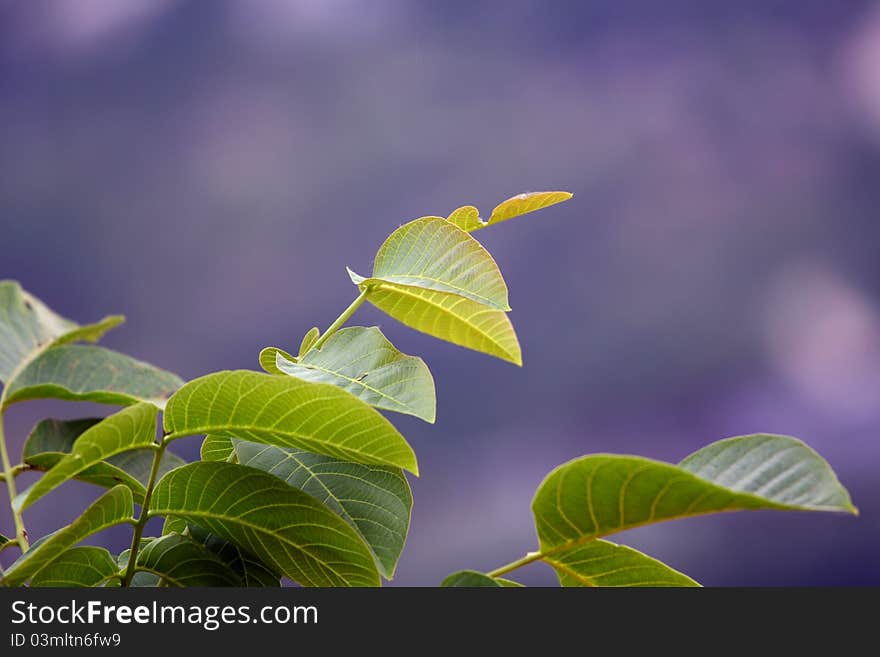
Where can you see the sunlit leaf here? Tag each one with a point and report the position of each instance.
(181, 561)
(217, 448)
(287, 412)
(432, 253)
(308, 340)
(87, 373)
(286, 529)
(524, 204)
(270, 355)
(362, 361)
(112, 508)
(77, 567)
(446, 316)
(467, 218)
(375, 500)
(128, 429)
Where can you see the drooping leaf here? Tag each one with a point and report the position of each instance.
(523, 204)
(432, 253)
(362, 361)
(308, 340)
(446, 316)
(467, 218)
(375, 500)
(287, 412)
(52, 440)
(603, 563)
(112, 508)
(470, 579)
(270, 355)
(130, 428)
(181, 561)
(251, 571)
(28, 327)
(593, 496)
(217, 448)
(288, 530)
(77, 567)
(87, 373)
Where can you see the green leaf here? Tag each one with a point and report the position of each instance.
(52, 440)
(77, 567)
(509, 583)
(470, 579)
(446, 316)
(431, 253)
(28, 327)
(308, 340)
(288, 530)
(130, 428)
(174, 526)
(287, 412)
(112, 508)
(181, 561)
(86, 373)
(251, 571)
(217, 448)
(362, 361)
(467, 218)
(514, 207)
(270, 355)
(376, 501)
(594, 496)
(602, 563)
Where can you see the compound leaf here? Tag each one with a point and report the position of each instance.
(287, 412)
(363, 362)
(112, 508)
(288, 530)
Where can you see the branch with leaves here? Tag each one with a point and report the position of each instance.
(301, 476)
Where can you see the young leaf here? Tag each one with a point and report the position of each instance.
(523, 204)
(130, 428)
(376, 501)
(467, 218)
(287, 412)
(77, 567)
(270, 355)
(593, 496)
(362, 361)
(470, 579)
(308, 340)
(181, 561)
(446, 316)
(28, 327)
(285, 528)
(602, 563)
(431, 253)
(52, 440)
(112, 508)
(251, 571)
(86, 373)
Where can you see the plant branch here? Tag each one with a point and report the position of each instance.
(342, 319)
(9, 476)
(145, 515)
(531, 557)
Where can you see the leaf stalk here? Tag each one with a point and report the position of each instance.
(342, 319)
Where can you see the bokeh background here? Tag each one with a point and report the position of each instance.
(209, 169)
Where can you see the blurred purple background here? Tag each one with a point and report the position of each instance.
(209, 169)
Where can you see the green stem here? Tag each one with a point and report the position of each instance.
(531, 557)
(342, 319)
(9, 476)
(145, 515)
(16, 470)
